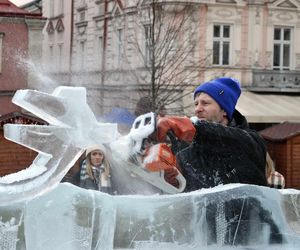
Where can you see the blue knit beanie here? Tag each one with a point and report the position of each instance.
(225, 91)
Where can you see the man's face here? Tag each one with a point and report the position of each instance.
(207, 109)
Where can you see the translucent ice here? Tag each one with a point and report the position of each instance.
(68, 217)
(72, 128)
(226, 217)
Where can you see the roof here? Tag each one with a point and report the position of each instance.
(30, 3)
(281, 131)
(34, 6)
(7, 8)
(269, 108)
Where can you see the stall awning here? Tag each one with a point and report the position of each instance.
(269, 108)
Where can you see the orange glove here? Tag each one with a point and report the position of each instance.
(182, 127)
(170, 176)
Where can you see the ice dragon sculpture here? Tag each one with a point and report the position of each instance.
(233, 216)
(72, 128)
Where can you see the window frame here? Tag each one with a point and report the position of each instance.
(147, 43)
(60, 56)
(51, 57)
(221, 41)
(61, 6)
(51, 8)
(99, 54)
(120, 45)
(282, 43)
(81, 55)
(81, 16)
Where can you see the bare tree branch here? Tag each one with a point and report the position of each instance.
(166, 52)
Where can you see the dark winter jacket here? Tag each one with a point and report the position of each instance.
(223, 154)
(239, 218)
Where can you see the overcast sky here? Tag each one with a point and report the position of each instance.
(20, 2)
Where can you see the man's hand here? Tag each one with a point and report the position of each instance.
(170, 176)
(182, 127)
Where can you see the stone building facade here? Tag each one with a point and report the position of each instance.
(254, 41)
(20, 41)
(57, 43)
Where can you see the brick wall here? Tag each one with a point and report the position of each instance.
(14, 157)
(14, 50)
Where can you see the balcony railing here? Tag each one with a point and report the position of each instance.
(275, 81)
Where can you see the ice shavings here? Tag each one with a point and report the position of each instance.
(24, 174)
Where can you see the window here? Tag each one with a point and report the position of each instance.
(120, 45)
(60, 56)
(51, 8)
(221, 44)
(61, 6)
(148, 44)
(1, 41)
(81, 55)
(51, 58)
(81, 16)
(100, 9)
(282, 48)
(100, 52)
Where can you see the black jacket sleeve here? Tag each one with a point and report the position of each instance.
(221, 155)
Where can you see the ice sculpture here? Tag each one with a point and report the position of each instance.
(226, 217)
(73, 127)
(232, 216)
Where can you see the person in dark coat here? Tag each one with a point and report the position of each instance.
(223, 150)
(221, 155)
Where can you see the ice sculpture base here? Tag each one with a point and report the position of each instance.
(225, 217)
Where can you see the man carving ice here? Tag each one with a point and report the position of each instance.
(223, 148)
